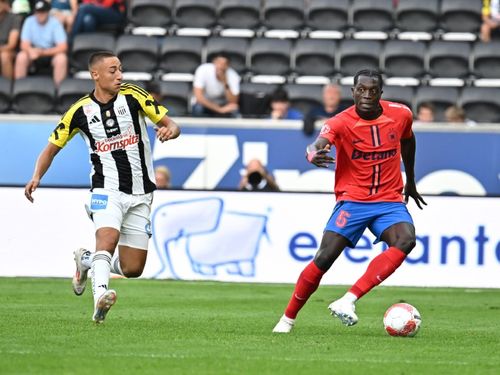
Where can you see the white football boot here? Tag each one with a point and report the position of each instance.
(345, 311)
(80, 276)
(104, 303)
(284, 325)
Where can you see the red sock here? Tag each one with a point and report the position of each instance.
(379, 269)
(306, 285)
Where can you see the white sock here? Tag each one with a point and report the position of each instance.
(101, 265)
(350, 297)
(115, 264)
(87, 258)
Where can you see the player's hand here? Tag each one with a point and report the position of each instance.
(30, 188)
(411, 191)
(165, 133)
(321, 158)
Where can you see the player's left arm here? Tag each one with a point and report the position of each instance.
(167, 129)
(408, 149)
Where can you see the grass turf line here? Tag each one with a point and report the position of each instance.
(175, 327)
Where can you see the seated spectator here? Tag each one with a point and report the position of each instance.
(425, 112)
(65, 12)
(162, 177)
(9, 38)
(216, 89)
(330, 107)
(21, 8)
(456, 114)
(280, 107)
(491, 18)
(257, 178)
(98, 13)
(43, 43)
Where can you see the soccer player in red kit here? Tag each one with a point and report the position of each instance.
(370, 139)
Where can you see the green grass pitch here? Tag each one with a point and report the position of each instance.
(173, 327)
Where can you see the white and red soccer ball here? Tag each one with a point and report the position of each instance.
(402, 319)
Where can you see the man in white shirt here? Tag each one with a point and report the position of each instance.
(216, 89)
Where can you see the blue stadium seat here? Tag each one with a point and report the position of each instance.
(239, 14)
(34, 95)
(315, 57)
(151, 13)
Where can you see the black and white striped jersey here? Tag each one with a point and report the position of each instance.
(116, 134)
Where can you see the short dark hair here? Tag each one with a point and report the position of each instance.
(279, 95)
(427, 105)
(221, 54)
(369, 73)
(98, 56)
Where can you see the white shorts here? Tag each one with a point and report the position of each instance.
(127, 213)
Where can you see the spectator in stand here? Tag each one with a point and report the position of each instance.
(162, 177)
(216, 89)
(65, 11)
(330, 107)
(257, 178)
(22, 8)
(43, 43)
(280, 107)
(425, 112)
(491, 18)
(9, 38)
(97, 13)
(456, 114)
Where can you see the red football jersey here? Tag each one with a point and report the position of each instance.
(369, 153)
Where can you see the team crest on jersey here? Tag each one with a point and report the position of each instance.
(325, 129)
(88, 109)
(110, 122)
(392, 136)
(122, 111)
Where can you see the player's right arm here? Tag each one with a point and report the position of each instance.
(317, 153)
(42, 165)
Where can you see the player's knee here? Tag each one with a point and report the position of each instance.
(406, 244)
(323, 260)
(132, 272)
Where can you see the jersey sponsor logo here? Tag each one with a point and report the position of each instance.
(110, 122)
(373, 155)
(118, 142)
(98, 202)
(88, 109)
(94, 120)
(325, 129)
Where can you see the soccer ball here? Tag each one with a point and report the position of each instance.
(402, 319)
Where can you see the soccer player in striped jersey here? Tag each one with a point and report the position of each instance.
(370, 139)
(111, 120)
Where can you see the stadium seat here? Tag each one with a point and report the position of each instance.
(404, 58)
(481, 103)
(138, 53)
(417, 15)
(235, 48)
(180, 54)
(283, 14)
(33, 95)
(5, 90)
(314, 57)
(486, 59)
(254, 99)
(176, 97)
(70, 90)
(460, 15)
(196, 13)
(304, 97)
(239, 14)
(355, 55)
(327, 14)
(449, 59)
(270, 56)
(399, 94)
(440, 97)
(87, 43)
(372, 15)
(151, 13)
